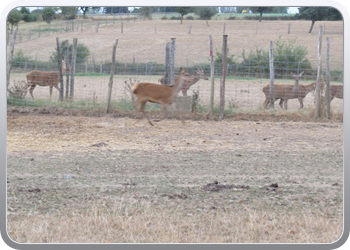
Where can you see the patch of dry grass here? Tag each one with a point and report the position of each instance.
(123, 223)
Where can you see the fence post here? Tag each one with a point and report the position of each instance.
(110, 85)
(272, 77)
(211, 105)
(223, 77)
(67, 69)
(74, 57)
(167, 65)
(59, 58)
(328, 97)
(319, 72)
(9, 62)
(189, 31)
(172, 62)
(289, 28)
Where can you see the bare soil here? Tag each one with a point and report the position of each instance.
(59, 164)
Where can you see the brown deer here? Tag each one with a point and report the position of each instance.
(188, 79)
(336, 91)
(286, 92)
(44, 78)
(156, 93)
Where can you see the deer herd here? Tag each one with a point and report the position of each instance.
(165, 94)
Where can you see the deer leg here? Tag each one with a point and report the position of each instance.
(281, 103)
(266, 102)
(285, 104)
(301, 103)
(143, 104)
(51, 91)
(32, 87)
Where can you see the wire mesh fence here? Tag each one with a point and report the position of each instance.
(246, 76)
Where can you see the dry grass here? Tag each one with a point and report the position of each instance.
(140, 40)
(123, 223)
(131, 182)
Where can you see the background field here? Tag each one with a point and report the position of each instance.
(145, 41)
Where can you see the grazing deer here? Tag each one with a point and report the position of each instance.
(336, 91)
(286, 92)
(44, 78)
(156, 93)
(188, 79)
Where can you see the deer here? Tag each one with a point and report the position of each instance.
(336, 91)
(156, 93)
(286, 92)
(44, 78)
(188, 79)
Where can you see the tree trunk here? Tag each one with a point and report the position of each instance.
(312, 25)
(260, 17)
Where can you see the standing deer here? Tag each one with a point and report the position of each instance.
(336, 91)
(156, 93)
(188, 79)
(286, 92)
(44, 78)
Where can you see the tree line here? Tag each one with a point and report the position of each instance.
(205, 13)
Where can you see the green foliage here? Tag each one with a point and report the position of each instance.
(218, 59)
(69, 13)
(13, 18)
(205, 13)
(27, 16)
(83, 52)
(288, 57)
(48, 14)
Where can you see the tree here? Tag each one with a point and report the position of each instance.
(69, 13)
(86, 9)
(205, 13)
(261, 10)
(83, 52)
(13, 18)
(49, 14)
(318, 14)
(111, 10)
(26, 15)
(183, 11)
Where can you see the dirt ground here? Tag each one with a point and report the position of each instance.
(60, 163)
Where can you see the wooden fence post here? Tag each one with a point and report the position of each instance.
(172, 62)
(211, 104)
(59, 58)
(223, 77)
(9, 62)
(74, 57)
(289, 28)
(319, 73)
(328, 97)
(167, 65)
(110, 85)
(272, 77)
(67, 69)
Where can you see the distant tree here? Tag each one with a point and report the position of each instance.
(111, 10)
(69, 13)
(205, 13)
(318, 14)
(27, 16)
(48, 14)
(13, 18)
(280, 10)
(183, 11)
(86, 9)
(261, 10)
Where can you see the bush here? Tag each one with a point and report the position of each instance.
(288, 58)
(83, 52)
(189, 18)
